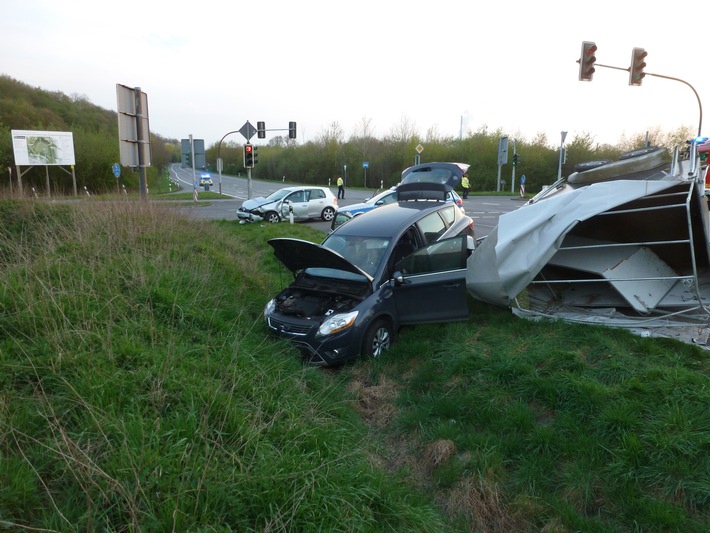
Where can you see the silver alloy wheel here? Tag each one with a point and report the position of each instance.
(379, 339)
(328, 214)
(272, 217)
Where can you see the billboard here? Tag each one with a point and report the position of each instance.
(43, 147)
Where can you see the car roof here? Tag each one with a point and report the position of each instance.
(389, 220)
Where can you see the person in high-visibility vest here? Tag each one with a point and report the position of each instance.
(341, 189)
(466, 185)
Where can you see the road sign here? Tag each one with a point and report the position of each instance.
(365, 164)
(116, 169)
(133, 126)
(247, 130)
(420, 148)
(502, 150)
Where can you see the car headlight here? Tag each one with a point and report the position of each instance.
(336, 323)
(269, 308)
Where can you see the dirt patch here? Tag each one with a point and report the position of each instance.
(374, 400)
(438, 453)
(478, 503)
(472, 500)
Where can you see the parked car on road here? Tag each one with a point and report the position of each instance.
(403, 263)
(304, 202)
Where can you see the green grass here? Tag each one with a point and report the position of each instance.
(139, 391)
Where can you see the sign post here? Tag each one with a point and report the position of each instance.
(117, 172)
(502, 157)
(134, 131)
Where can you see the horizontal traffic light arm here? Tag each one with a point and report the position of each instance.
(700, 105)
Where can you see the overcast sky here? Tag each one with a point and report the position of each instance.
(209, 66)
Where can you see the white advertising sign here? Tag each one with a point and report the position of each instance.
(43, 147)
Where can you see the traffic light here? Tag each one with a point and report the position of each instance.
(638, 63)
(587, 60)
(515, 159)
(188, 159)
(254, 155)
(248, 156)
(261, 130)
(291, 130)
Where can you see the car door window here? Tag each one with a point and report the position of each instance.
(297, 197)
(432, 227)
(449, 254)
(316, 194)
(448, 214)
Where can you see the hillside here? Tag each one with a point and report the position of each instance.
(140, 391)
(94, 129)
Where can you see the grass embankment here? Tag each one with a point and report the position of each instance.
(139, 391)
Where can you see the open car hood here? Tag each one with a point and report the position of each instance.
(297, 255)
(448, 174)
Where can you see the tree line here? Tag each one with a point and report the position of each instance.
(319, 161)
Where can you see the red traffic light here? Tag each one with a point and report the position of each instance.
(587, 60)
(249, 153)
(638, 63)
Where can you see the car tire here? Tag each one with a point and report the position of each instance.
(327, 214)
(378, 338)
(272, 217)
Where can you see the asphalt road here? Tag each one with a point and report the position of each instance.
(484, 210)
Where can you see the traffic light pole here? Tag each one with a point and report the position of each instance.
(219, 158)
(512, 174)
(700, 105)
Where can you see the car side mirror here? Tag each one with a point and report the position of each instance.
(397, 278)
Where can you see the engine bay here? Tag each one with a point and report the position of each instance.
(308, 304)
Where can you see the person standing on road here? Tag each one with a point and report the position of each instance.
(466, 185)
(341, 189)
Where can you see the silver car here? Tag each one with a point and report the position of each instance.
(302, 202)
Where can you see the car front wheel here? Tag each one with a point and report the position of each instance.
(328, 214)
(272, 217)
(377, 339)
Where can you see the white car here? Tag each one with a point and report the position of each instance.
(303, 201)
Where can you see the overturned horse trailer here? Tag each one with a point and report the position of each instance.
(620, 243)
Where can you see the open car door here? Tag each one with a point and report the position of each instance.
(430, 284)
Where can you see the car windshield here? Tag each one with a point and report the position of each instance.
(379, 196)
(364, 252)
(274, 196)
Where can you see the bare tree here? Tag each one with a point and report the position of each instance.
(333, 134)
(364, 129)
(404, 131)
